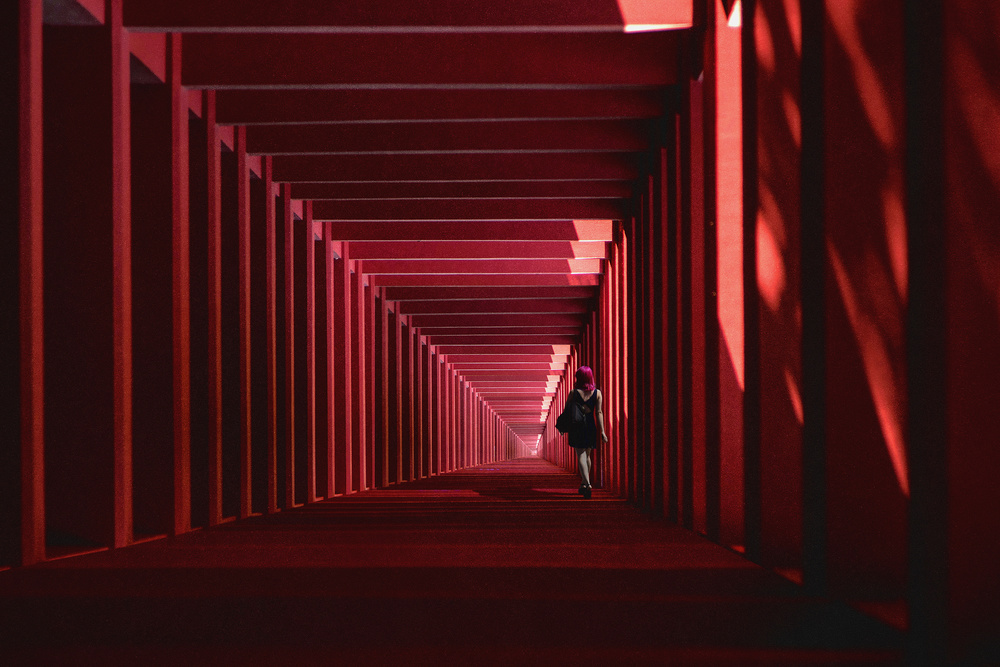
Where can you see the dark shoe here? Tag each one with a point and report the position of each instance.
(586, 492)
(582, 490)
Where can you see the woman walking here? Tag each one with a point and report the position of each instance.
(584, 438)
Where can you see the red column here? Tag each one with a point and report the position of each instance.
(416, 388)
(25, 416)
(343, 367)
(214, 154)
(372, 400)
(447, 412)
(288, 292)
(302, 403)
(456, 421)
(88, 448)
(305, 372)
(437, 437)
(699, 293)
(329, 369)
(321, 360)
(181, 287)
(730, 242)
(394, 412)
(773, 436)
(426, 407)
(161, 307)
(271, 315)
(243, 242)
(360, 387)
(382, 391)
(406, 405)
(623, 317)
(632, 311)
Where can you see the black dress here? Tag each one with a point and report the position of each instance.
(585, 437)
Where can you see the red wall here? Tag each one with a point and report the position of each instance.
(972, 205)
(866, 292)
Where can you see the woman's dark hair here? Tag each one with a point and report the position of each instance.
(584, 378)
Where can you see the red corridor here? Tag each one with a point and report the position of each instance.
(295, 292)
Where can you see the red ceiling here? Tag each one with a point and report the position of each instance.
(474, 152)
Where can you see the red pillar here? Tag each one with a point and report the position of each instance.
(700, 294)
(416, 387)
(327, 342)
(88, 448)
(447, 417)
(394, 411)
(343, 367)
(406, 405)
(305, 356)
(382, 391)
(214, 201)
(243, 243)
(723, 74)
(426, 408)
(23, 481)
(437, 412)
(288, 292)
(360, 387)
(372, 399)
(181, 287)
(271, 318)
(161, 306)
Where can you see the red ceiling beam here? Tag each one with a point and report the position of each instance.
(528, 319)
(486, 293)
(445, 167)
(546, 358)
(259, 60)
(467, 266)
(575, 136)
(402, 16)
(474, 306)
(520, 406)
(512, 376)
(493, 279)
(500, 339)
(473, 377)
(510, 331)
(470, 209)
(489, 385)
(249, 107)
(552, 370)
(500, 350)
(473, 230)
(475, 190)
(518, 280)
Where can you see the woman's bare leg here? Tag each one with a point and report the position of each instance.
(585, 466)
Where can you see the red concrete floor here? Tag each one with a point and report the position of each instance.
(503, 564)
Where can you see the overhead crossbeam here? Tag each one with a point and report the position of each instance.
(574, 136)
(473, 230)
(480, 191)
(447, 167)
(375, 106)
(407, 60)
(485, 293)
(470, 266)
(469, 209)
(407, 16)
